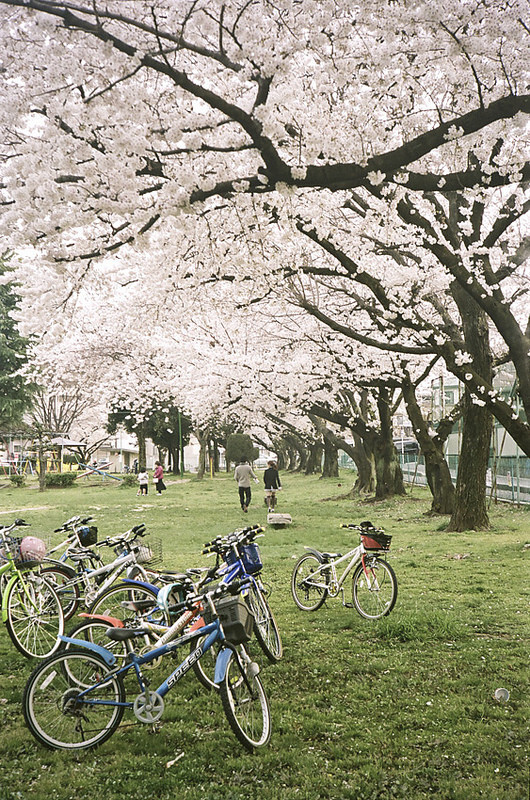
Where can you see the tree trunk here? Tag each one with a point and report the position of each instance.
(314, 462)
(436, 467)
(203, 443)
(389, 477)
(140, 436)
(174, 457)
(330, 468)
(42, 466)
(470, 512)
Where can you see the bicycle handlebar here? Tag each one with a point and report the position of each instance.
(223, 588)
(222, 543)
(363, 527)
(72, 523)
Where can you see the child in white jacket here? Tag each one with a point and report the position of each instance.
(143, 480)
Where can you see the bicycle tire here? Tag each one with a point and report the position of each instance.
(35, 618)
(307, 594)
(51, 711)
(64, 582)
(129, 603)
(376, 599)
(95, 631)
(204, 668)
(265, 626)
(247, 711)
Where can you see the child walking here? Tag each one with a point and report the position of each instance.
(143, 480)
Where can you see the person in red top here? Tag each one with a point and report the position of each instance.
(158, 477)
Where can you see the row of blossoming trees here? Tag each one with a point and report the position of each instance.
(287, 212)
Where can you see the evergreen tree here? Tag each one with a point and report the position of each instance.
(15, 392)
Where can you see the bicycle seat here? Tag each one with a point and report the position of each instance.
(328, 556)
(173, 576)
(81, 555)
(121, 634)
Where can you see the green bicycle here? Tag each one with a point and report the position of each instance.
(31, 609)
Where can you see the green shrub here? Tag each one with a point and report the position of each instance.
(18, 480)
(129, 480)
(59, 480)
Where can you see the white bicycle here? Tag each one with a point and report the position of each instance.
(374, 583)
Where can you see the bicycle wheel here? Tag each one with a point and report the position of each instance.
(245, 705)
(130, 604)
(35, 617)
(374, 588)
(308, 586)
(63, 579)
(95, 631)
(204, 668)
(265, 627)
(55, 713)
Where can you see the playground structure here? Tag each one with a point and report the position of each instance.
(22, 458)
(99, 469)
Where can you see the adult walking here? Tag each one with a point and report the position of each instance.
(158, 478)
(243, 474)
(272, 483)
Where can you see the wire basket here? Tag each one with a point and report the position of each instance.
(27, 551)
(236, 618)
(376, 540)
(149, 553)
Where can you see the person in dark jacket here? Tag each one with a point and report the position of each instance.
(272, 483)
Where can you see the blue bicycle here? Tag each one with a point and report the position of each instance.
(238, 559)
(76, 699)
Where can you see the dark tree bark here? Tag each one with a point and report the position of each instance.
(202, 438)
(314, 461)
(389, 477)
(330, 467)
(470, 512)
(436, 467)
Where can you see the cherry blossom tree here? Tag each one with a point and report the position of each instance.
(202, 142)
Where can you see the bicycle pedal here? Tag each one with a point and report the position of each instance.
(348, 605)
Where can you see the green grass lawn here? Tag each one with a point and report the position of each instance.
(400, 708)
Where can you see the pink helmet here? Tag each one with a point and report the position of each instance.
(32, 549)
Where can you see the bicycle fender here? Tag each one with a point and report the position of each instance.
(221, 664)
(314, 552)
(114, 621)
(145, 584)
(108, 657)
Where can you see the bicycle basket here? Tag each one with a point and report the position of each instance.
(251, 558)
(376, 540)
(235, 617)
(149, 553)
(87, 535)
(29, 551)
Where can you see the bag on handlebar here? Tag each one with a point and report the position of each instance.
(87, 535)
(251, 558)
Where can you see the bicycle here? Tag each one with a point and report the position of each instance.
(151, 612)
(76, 699)
(238, 558)
(92, 578)
(31, 609)
(374, 583)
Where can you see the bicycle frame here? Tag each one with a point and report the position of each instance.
(17, 574)
(114, 570)
(336, 584)
(213, 633)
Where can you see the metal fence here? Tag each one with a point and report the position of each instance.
(513, 486)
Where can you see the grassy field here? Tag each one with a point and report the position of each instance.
(400, 708)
